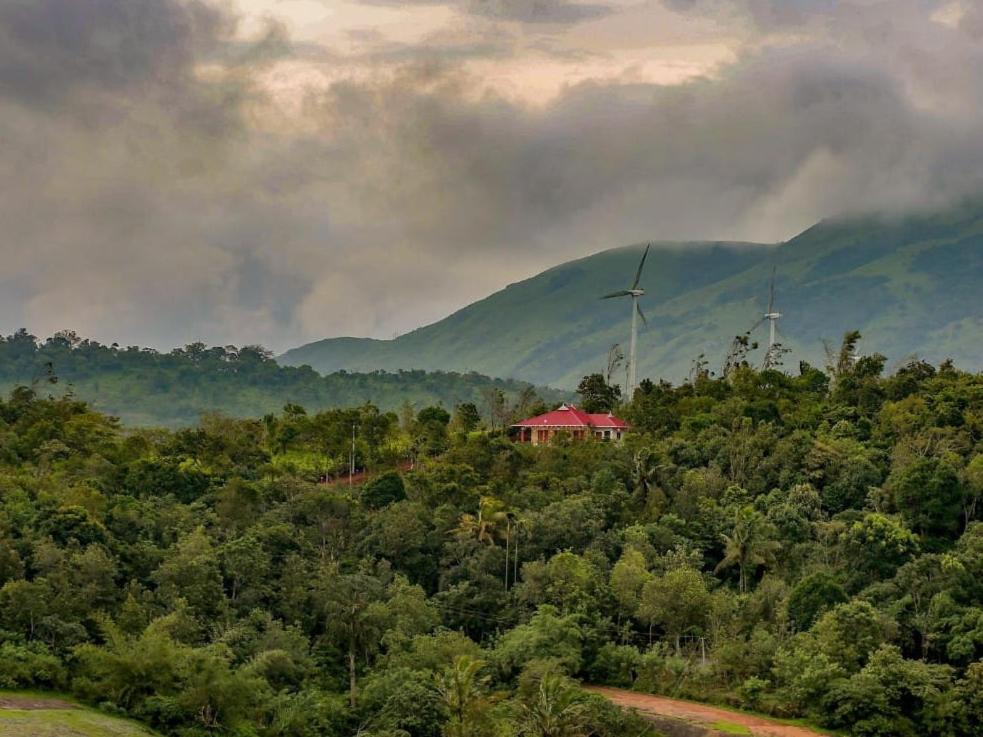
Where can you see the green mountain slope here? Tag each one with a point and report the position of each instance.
(144, 387)
(553, 326)
(910, 285)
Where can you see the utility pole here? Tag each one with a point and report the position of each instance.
(351, 466)
(515, 569)
(508, 535)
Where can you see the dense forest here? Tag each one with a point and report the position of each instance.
(804, 544)
(146, 387)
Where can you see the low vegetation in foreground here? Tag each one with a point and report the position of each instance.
(27, 715)
(803, 545)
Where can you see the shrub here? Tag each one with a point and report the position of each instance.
(383, 491)
(30, 666)
(615, 665)
(812, 596)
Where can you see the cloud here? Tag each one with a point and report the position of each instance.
(972, 21)
(610, 163)
(523, 11)
(376, 49)
(50, 49)
(764, 13)
(538, 11)
(151, 191)
(114, 170)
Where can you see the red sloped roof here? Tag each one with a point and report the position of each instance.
(565, 416)
(569, 416)
(607, 420)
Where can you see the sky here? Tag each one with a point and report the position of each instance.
(279, 171)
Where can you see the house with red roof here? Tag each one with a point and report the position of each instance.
(570, 420)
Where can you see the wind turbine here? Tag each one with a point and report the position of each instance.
(636, 312)
(771, 357)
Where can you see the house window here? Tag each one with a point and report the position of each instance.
(542, 436)
(607, 434)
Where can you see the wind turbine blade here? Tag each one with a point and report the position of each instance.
(622, 293)
(641, 265)
(757, 325)
(641, 315)
(771, 291)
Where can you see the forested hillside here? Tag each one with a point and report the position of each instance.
(910, 284)
(804, 545)
(145, 387)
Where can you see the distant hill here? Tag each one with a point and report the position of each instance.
(144, 387)
(911, 285)
(552, 326)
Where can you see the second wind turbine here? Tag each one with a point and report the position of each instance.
(774, 354)
(635, 292)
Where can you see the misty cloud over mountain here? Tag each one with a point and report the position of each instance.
(160, 186)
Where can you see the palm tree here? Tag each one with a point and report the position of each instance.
(461, 691)
(354, 619)
(749, 546)
(645, 473)
(484, 526)
(556, 710)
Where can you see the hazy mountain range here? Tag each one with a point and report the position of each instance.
(910, 284)
(145, 387)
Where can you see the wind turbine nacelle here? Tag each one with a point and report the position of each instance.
(636, 292)
(773, 315)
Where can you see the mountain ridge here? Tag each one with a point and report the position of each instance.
(528, 349)
(148, 388)
(908, 283)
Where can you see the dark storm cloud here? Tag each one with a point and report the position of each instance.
(111, 63)
(612, 163)
(53, 48)
(118, 189)
(197, 208)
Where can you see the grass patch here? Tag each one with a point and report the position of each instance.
(730, 728)
(73, 721)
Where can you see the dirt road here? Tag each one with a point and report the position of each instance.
(692, 712)
(26, 702)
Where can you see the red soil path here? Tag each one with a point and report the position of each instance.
(692, 712)
(361, 475)
(30, 703)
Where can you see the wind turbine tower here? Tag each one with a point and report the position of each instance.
(772, 316)
(635, 292)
